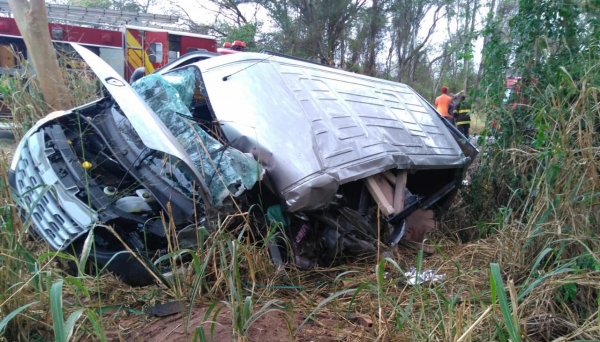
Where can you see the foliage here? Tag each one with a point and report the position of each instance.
(245, 33)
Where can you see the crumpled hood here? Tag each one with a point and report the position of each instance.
(153, 133)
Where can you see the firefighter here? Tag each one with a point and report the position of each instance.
(463, 116)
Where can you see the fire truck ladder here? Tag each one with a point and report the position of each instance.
(96, 16)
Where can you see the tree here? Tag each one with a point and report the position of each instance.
(32, 20)
(376, 24)
(227, 16)
(313, 29)
(407, 19)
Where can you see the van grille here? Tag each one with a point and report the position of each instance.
(41, 204)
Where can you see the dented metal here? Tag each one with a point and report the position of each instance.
(314, 128)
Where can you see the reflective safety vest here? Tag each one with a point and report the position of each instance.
(462, 115)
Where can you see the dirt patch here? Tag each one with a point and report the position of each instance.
(271, 327)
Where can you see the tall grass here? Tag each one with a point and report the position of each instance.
(22, 95)
(543, 174)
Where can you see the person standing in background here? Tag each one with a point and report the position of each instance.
(463, 117)
(442, 104)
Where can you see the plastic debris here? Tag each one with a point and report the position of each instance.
(428, 275)
(275, 215)
(167, 309)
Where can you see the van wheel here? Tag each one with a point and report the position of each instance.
(120, 262)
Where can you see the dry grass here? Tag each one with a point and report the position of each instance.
(478, 118)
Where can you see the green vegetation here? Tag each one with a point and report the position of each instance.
(519, 248)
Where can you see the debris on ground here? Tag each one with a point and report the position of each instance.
(412, 278)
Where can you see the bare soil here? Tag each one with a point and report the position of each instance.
(271, 327)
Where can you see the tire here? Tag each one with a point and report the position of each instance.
(124, 265)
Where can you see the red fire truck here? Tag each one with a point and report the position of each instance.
(512, 92)
(126, 43)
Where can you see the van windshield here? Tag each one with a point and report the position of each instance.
(173, 97)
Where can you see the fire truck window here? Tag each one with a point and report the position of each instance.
(156, 52)
(173, 55)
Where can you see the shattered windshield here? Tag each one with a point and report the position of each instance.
(173, 98)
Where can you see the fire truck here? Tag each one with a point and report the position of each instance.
(512, 92)
(125, 40)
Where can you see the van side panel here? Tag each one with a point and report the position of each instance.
(315, 127)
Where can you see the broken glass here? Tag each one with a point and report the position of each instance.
(226, 170)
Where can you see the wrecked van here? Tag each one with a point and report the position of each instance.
(337, 161)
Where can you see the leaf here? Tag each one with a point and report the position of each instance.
(56, 310)
(62, 330)
(85, 251)
(12, 315)
(497, 287)
(70, 324)
(539, 281)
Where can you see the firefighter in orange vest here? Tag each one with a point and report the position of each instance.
(462, 115)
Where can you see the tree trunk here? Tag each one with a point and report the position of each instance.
(370, 68)
(343, 50)
(436, 83)
(470, 36)
(486, 39)
(32, 20)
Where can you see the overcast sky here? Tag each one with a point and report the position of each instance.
(203, 11)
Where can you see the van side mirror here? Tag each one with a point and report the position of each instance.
(137, 74)
(156, 52)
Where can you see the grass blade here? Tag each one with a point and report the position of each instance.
(56, 310)
(12, 315)
(498, 291)
(321, 304)
(70, 324)
(62, 330)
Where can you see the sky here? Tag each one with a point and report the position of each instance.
(204, 11)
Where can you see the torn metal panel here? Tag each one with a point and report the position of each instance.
(315, 128)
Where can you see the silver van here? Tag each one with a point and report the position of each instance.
(337, 162)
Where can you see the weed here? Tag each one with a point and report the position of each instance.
(62, 330)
